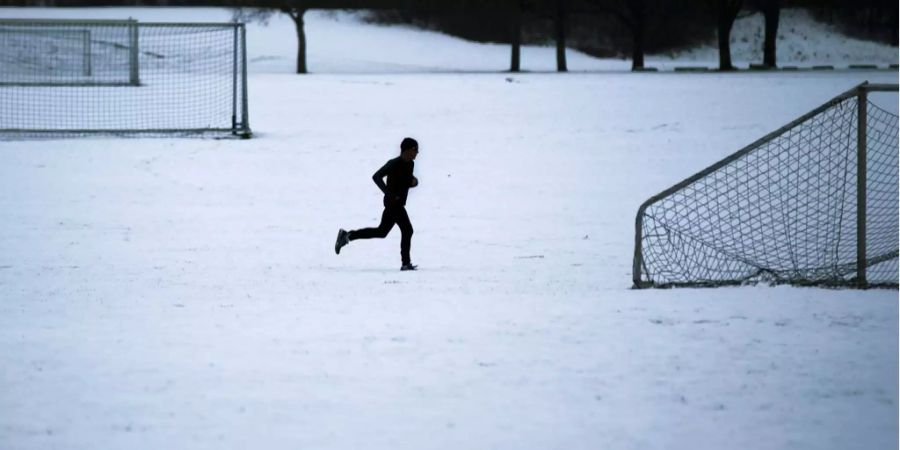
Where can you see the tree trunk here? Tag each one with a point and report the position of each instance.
(771, 12)
(726, 12)
(895, 19)
(297, 15)
(561, 36)
(725, 46)
(516, 30)
(638, 17)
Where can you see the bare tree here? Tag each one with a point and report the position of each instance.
(633, 14)
(726, 13)
(516, 31)
(557, 12)
(638, 11)
(561, 36)
(771, 10)
(263, 15)
(296, 14)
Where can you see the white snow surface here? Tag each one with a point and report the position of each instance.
(184, 293)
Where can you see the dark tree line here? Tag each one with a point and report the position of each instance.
(645, 22)
(648, 24)
(638, 25)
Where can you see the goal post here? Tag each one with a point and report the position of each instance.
(74, 77)
(812, 203)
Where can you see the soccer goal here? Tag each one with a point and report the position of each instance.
(813, 203)
(75, 77)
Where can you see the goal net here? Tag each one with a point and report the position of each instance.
(815, 202)
(103, 76)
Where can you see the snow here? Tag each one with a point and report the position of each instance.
(802, 41)
(183, 293)
(337, 42)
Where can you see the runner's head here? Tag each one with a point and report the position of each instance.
(409, 148)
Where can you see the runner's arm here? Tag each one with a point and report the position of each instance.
(378, 177)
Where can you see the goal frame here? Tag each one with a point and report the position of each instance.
(860, 91)
(240, 125)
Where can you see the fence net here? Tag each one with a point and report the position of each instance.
(786, 211)
(121, 77)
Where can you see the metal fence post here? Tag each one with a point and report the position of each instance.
(245, 113)
(861, 144)
(234, 89)
(637, 262)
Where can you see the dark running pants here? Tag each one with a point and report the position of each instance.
(392, 215)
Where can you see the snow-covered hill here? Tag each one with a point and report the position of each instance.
(340, 42)
(802, 41)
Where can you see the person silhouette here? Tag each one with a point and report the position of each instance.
(399, 173)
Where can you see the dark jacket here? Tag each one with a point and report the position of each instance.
(399, 175)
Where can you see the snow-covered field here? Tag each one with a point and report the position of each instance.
(184, 293)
